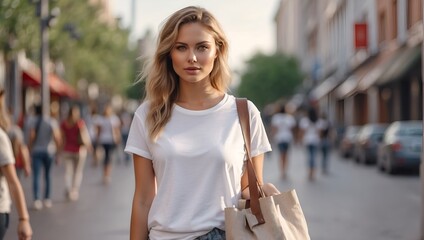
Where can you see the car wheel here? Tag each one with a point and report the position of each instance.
(390, 169)
(363, 158)
(380, 162)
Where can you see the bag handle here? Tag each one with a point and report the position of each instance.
(243, 114)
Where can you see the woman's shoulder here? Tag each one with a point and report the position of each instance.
(142, 109)
(250, 104)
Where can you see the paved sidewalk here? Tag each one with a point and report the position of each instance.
(102, 212)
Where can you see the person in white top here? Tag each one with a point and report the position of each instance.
(282, 125)
(311, 138)
(10, 186)
(108, 136)
(186, 139)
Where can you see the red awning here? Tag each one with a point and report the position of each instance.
(31, 77)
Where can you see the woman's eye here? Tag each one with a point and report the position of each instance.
(180, 48)
(203, 48)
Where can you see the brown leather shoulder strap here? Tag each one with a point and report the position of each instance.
(243, 114)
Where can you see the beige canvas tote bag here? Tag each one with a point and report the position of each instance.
(265, 218)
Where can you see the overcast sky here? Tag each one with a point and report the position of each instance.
(248, 24)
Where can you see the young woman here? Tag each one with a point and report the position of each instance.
(282, 130)
(44, 140)
(9, 182)
(186, 138)
(108, 136)
(311, 139)
(76, 142)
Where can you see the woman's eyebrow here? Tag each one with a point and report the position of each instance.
(199, 43)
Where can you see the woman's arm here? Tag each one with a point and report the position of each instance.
(258, 163)
(145, 191)
(268, 188)
(26, 159)
(24, 227)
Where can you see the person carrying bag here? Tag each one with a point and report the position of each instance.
(278, 216)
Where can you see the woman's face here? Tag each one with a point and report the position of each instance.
(76, 114)
(194, 53)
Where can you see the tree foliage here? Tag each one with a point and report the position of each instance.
(88, 47)
(19, 28)
(268, 78)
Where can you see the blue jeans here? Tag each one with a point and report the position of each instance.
(41, 160)
(325, 150)
(215, 234)
(108, 147)
(4, 224)
(312, 150)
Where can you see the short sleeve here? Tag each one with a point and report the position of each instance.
(304, 123)
(81, 124)
(259, 138)
(292, 121)
(6, 154)
(274, 120)
(54, 124)
(137, 142)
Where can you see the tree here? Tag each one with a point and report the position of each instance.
(268, 78)
(88, 47)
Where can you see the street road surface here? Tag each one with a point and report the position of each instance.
(354, 202)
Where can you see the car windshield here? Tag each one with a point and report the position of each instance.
(410, 131)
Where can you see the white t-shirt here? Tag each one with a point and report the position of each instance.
(311, 132)
(6, 157)
(107, 124)
(198, 161)
(284, 124)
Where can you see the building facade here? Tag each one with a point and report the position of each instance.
(362, 57)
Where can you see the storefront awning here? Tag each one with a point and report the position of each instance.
(347, 88)
(31, 77)
(325, 87)
(374, 70)
(390, 65)
(407, 58)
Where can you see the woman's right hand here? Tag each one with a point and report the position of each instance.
(24, 230)
(270, 190)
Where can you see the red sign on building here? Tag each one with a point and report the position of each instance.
(361, 35)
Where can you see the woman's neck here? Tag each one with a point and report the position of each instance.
(195, 97)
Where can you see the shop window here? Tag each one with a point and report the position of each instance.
(395, 19)
(382, 27)
(414, 12)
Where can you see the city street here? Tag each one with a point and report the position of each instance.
(354, 202)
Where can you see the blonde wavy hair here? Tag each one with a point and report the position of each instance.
(162, 82)
(4, 116)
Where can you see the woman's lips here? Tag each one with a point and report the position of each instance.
(192, 70)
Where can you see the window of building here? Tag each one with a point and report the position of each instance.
(414, 12)
(382, 27)
(395, 19)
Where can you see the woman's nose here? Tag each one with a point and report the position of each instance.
(192, 57)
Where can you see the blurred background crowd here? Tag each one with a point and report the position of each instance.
(343, 78)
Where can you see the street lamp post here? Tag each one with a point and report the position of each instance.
(44, 56)
(422, 146)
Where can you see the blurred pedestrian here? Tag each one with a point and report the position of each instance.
(186, 139)
(45, 139)
(282, 131)
(125, 118)
(324, 127)
(9, 182)
(76, 142)
(20, 150)
(109, 136)
(92, 122)
(311, 138)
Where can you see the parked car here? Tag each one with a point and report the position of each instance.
(401, 146)
(348, 139)
(366, 144)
